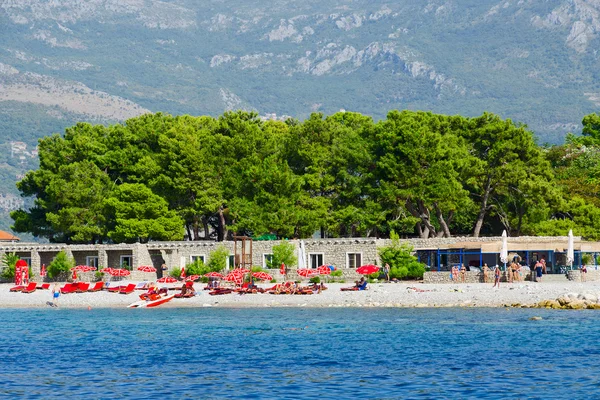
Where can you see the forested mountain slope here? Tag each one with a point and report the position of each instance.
(536, 62)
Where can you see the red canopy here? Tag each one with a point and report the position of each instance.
(192, 277)
(263, 276)
(306, 272)
(167, 279)
(367, 269)
(236, 277)
(147, 268)
(119, 272)
(214, 275)
(324, 270)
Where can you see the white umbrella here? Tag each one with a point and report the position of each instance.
(504, 249)
(571, 250)
(301, 255)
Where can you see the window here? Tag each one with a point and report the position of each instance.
(315, 260)
(126, 262)
(91, 261)
(267, 259)
(200, 257)
(27, 260)
(353, 260)
(231, 261)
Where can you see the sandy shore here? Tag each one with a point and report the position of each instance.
(378, 295)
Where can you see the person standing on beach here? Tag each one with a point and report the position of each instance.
(463, 273)
(485, 272)
(497, 275)
(386, 271)
(55, 294)
(583, 273)
(538, 271)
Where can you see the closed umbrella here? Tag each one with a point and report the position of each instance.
(571, 249)
(367, 269)
(504, 249)
(43, 270)
(182, 275)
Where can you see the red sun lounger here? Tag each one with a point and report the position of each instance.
(128, 289)
(30, 288)
(44, 286)
(18, 288)
(97, 287)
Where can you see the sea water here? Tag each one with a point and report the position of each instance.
(296, 353)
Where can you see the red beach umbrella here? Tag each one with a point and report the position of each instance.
(324, 270)
(263, 276)
(106, 270)
(214, 275)
(241, 271)
(167, 279)
(367, 269)
(192, 277)
(119, 272)
(306, 272)
(147, 268)
(238, 278)
(21, 263)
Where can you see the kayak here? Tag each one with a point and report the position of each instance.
(152, 303)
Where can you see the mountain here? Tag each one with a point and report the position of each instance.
(536, 62)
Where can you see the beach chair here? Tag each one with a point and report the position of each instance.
(44, 286)
(82, 287)
(128, 289)
(68, 288)
(97, 287)
(30, 288)
(115, 289)
(18, 288)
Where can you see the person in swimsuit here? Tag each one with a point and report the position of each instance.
(463, 273)
(55, 294)
(583, 272)
(497, 275)
(538, 271)
(485, 273)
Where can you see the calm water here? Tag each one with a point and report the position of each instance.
(299, 353)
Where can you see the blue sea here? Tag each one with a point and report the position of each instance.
(290, 353)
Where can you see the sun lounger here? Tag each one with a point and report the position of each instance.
(220, 291)
(68, 288)
(30, 288)
(97, 287)
(362, 286)
(82, 287)
(18, 288)
(44, 286)
(128, 289)
(115, 289)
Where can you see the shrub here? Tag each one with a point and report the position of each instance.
(99, 275)
(283, 252)
(256, 268)
(196, 268)
(403, 265)
(337, 273)
(9, 260)
(217, 260)
(273, 280)
(175, 272)
(587, 259)
(315, 279)
(60, 266)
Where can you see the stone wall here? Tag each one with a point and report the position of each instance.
(470, 277)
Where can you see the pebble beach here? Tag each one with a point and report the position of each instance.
(406, 294)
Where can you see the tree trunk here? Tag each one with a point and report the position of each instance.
(222, 231)
(196, 228)
(189, 232)
(425, 216)
(445, 230)
(206, 227)
(483, 207)
(423, 230)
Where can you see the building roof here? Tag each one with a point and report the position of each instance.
(5, 236)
